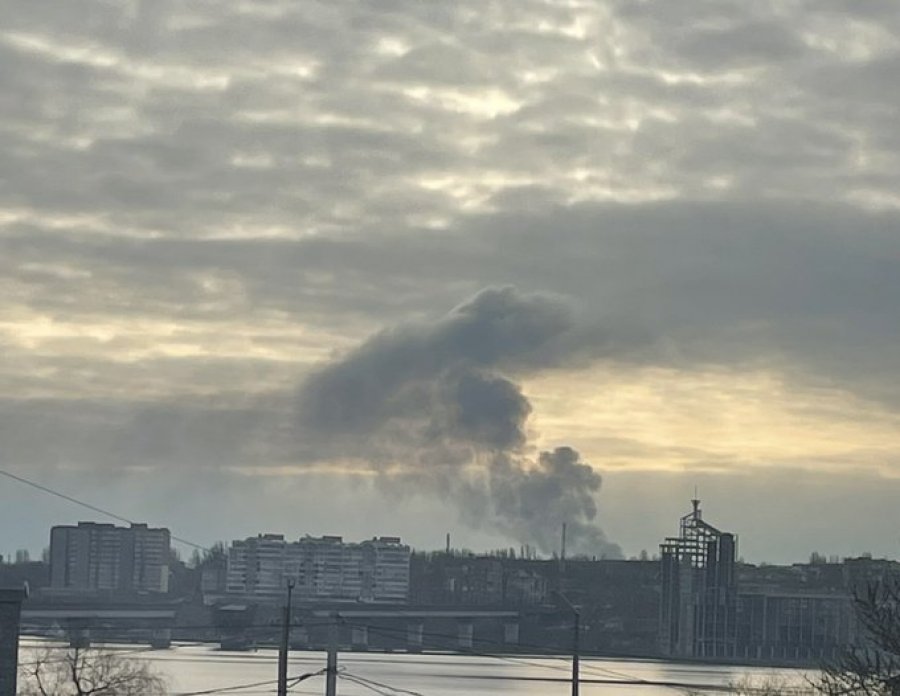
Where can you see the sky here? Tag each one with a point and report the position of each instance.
(410, 268)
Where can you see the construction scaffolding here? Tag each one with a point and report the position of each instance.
(698, 606)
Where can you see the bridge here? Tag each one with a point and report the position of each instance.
(413, 629)
(82, 623)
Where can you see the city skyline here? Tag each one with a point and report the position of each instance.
(427, 268)
(187, 550)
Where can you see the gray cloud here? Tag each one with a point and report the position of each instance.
(187, 127)
(805, 289)
(200, 436)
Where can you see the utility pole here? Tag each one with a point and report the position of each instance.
(285, 643)
(575, 642)
(331, 664)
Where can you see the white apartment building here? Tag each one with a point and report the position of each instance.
(256, 565)
(390, 564)
(324, 568)
(102, 557)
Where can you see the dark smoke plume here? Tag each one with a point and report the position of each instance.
(433, 404)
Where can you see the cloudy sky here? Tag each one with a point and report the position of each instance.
(352, 267)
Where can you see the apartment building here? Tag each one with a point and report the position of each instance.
(323, 568)
(256, 565)
(102, 557)
(388, 560)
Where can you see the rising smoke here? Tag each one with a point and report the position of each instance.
(434, 405)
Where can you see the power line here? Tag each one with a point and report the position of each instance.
(375, 686)
(364, 685)
(292, 681)
(472, 652)
(94, 508)
(621, 677)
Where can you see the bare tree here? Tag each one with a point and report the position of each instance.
(88, 671)
(760, 685)
(872, 669)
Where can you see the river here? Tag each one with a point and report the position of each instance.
(192, 667)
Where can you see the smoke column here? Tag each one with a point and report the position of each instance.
(434, 405)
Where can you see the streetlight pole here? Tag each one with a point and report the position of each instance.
(575, 642)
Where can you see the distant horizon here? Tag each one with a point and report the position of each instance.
(184, 551)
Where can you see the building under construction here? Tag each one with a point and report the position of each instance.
(698, 607)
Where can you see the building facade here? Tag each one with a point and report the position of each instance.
(806, 627)
(103, 557)
(321, 568)
(10, 609)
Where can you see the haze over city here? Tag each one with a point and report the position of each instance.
(409, 268)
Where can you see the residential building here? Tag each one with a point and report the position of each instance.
(102, 557)
(256, 565)
(388, 561)
(325, 568)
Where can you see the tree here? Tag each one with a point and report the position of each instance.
(761, 685)
(872, 669)
(215, 554)
(88, 671)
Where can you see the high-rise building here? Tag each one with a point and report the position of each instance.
(388, 560)
(256, 565)
(698, 606)
(93, 556)
(320, 568)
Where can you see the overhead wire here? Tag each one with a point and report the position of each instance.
(376, 686)
(89, 506)
(364, 685)
(597, 671)
(292, 681)
(542, 648)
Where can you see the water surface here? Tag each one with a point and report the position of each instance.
(192, 667)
